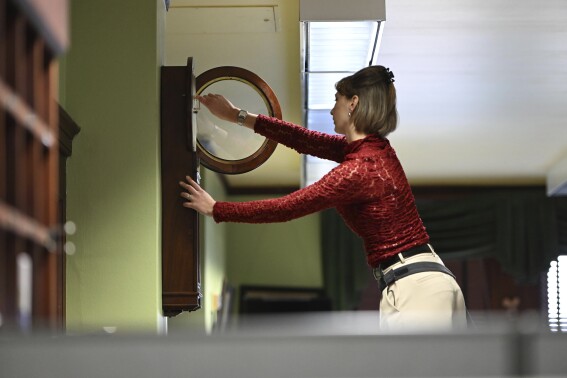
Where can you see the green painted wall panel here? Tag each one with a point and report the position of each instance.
(110, 86)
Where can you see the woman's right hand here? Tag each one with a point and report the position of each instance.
(219, 106)
(197, 198)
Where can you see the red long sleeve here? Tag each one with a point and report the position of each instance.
(304, 141)
(368, 188)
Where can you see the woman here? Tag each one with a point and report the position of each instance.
(368, 188)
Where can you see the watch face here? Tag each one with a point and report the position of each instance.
(242, 116)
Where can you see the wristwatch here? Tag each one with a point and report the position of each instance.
(242, 114)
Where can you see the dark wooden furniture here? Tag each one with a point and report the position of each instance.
(181, 283)
(68, 129)
(278, 299)
(182, 155)
(32, 34)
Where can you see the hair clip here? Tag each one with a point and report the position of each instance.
(390, 75)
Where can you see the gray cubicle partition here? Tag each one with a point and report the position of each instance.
(304, 346)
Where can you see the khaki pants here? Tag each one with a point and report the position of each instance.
(426, 301)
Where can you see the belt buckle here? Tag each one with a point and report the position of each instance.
(377, 273)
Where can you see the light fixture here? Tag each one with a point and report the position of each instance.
(337, 39)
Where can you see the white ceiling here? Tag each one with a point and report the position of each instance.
(482, 84)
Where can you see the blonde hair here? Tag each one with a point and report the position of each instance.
(376, 111)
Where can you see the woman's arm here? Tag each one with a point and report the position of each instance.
(299, 138)
(342, 185)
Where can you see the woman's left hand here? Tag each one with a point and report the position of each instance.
(220, 106)
(197, 198)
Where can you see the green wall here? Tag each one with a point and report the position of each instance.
(280, 254)
(110, 86)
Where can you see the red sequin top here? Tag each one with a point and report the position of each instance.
(368, 188)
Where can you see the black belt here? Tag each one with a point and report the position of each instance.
(424, 248)
(393, 275)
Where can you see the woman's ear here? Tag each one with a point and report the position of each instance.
(353, 102)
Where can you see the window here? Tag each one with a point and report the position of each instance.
(557, 295)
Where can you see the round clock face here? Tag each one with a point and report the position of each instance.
(223, 146)
(227, 140)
